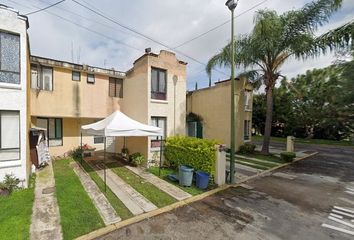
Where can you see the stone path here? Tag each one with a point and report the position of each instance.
(133, 200)
(45, 215)
(103, 206)
(168, 188)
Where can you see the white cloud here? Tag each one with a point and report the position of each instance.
(171, 22)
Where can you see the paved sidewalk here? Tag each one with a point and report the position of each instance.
(133, 200)
(168, 188)
(103, 206)
(45, 217)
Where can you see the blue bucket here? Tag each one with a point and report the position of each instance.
(185, 175)
(202, 179)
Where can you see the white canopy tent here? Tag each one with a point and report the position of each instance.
(120, 125)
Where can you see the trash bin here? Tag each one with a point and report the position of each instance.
(185, 175)
(202, 179)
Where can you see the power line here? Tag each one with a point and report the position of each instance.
(80, 26)
(141, 34)
(218, 26)
(43, 9)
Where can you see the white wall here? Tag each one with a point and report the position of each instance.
(13, 97)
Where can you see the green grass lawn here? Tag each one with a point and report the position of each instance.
(15, 214)
(122, 211)
(308, 141)
(148, 190)
(193, 190)
(78, 215)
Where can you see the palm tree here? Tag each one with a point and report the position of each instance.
(274, 40)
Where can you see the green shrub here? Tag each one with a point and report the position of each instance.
(75, 153)
(247, 148)
(287, 156)
(137, 159)
(195, 152)
(10, 183)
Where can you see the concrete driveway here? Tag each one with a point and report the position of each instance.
(290, 204)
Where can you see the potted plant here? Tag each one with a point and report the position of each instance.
(137, 159)
(87, 150)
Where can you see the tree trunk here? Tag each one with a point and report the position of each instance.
(268, 123)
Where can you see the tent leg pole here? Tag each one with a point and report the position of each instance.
(104, 165)
(160, 157)
(82, 153)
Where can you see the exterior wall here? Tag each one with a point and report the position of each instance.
(72, 135)
(14, 97)
(213, 106)
(137, 102)
(74, 98)
(174, 108)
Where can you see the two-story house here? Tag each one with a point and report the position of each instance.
(65, 96)
(208, 112)
(14, 102)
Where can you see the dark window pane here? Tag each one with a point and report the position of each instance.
(10, 52)
(58, 128)
(112, 87)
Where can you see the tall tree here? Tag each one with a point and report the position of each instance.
(276, 38)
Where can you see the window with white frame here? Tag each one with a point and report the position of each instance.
(42, 77)
(246, 129)
(248, 100)
(9, 135)
(160, 122)
(9, 58)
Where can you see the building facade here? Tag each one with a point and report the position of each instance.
(14, 101)
(65, 96)
(209, 115)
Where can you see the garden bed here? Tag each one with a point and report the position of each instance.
(78, 215)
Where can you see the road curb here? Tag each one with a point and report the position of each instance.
(110, 228)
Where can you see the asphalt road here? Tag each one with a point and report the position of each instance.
(290, 205)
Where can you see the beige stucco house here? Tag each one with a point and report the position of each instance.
(208, 112)
(65, 96)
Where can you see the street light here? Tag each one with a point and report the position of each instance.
(232, 4)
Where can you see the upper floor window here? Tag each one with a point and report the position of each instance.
(42, 77)
(76, 76)
(90, 78)
(9, 58)
(158, 84)
(115, 87)
(248, 100)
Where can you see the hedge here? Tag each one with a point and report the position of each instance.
(195, 152)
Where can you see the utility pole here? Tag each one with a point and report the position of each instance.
(231, 4)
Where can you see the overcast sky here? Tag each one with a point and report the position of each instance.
(171, 22)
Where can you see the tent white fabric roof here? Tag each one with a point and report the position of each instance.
(120, 125)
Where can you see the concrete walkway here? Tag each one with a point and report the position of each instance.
(107, 212)
(45, 215)
(168, 188)
(133, 200)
